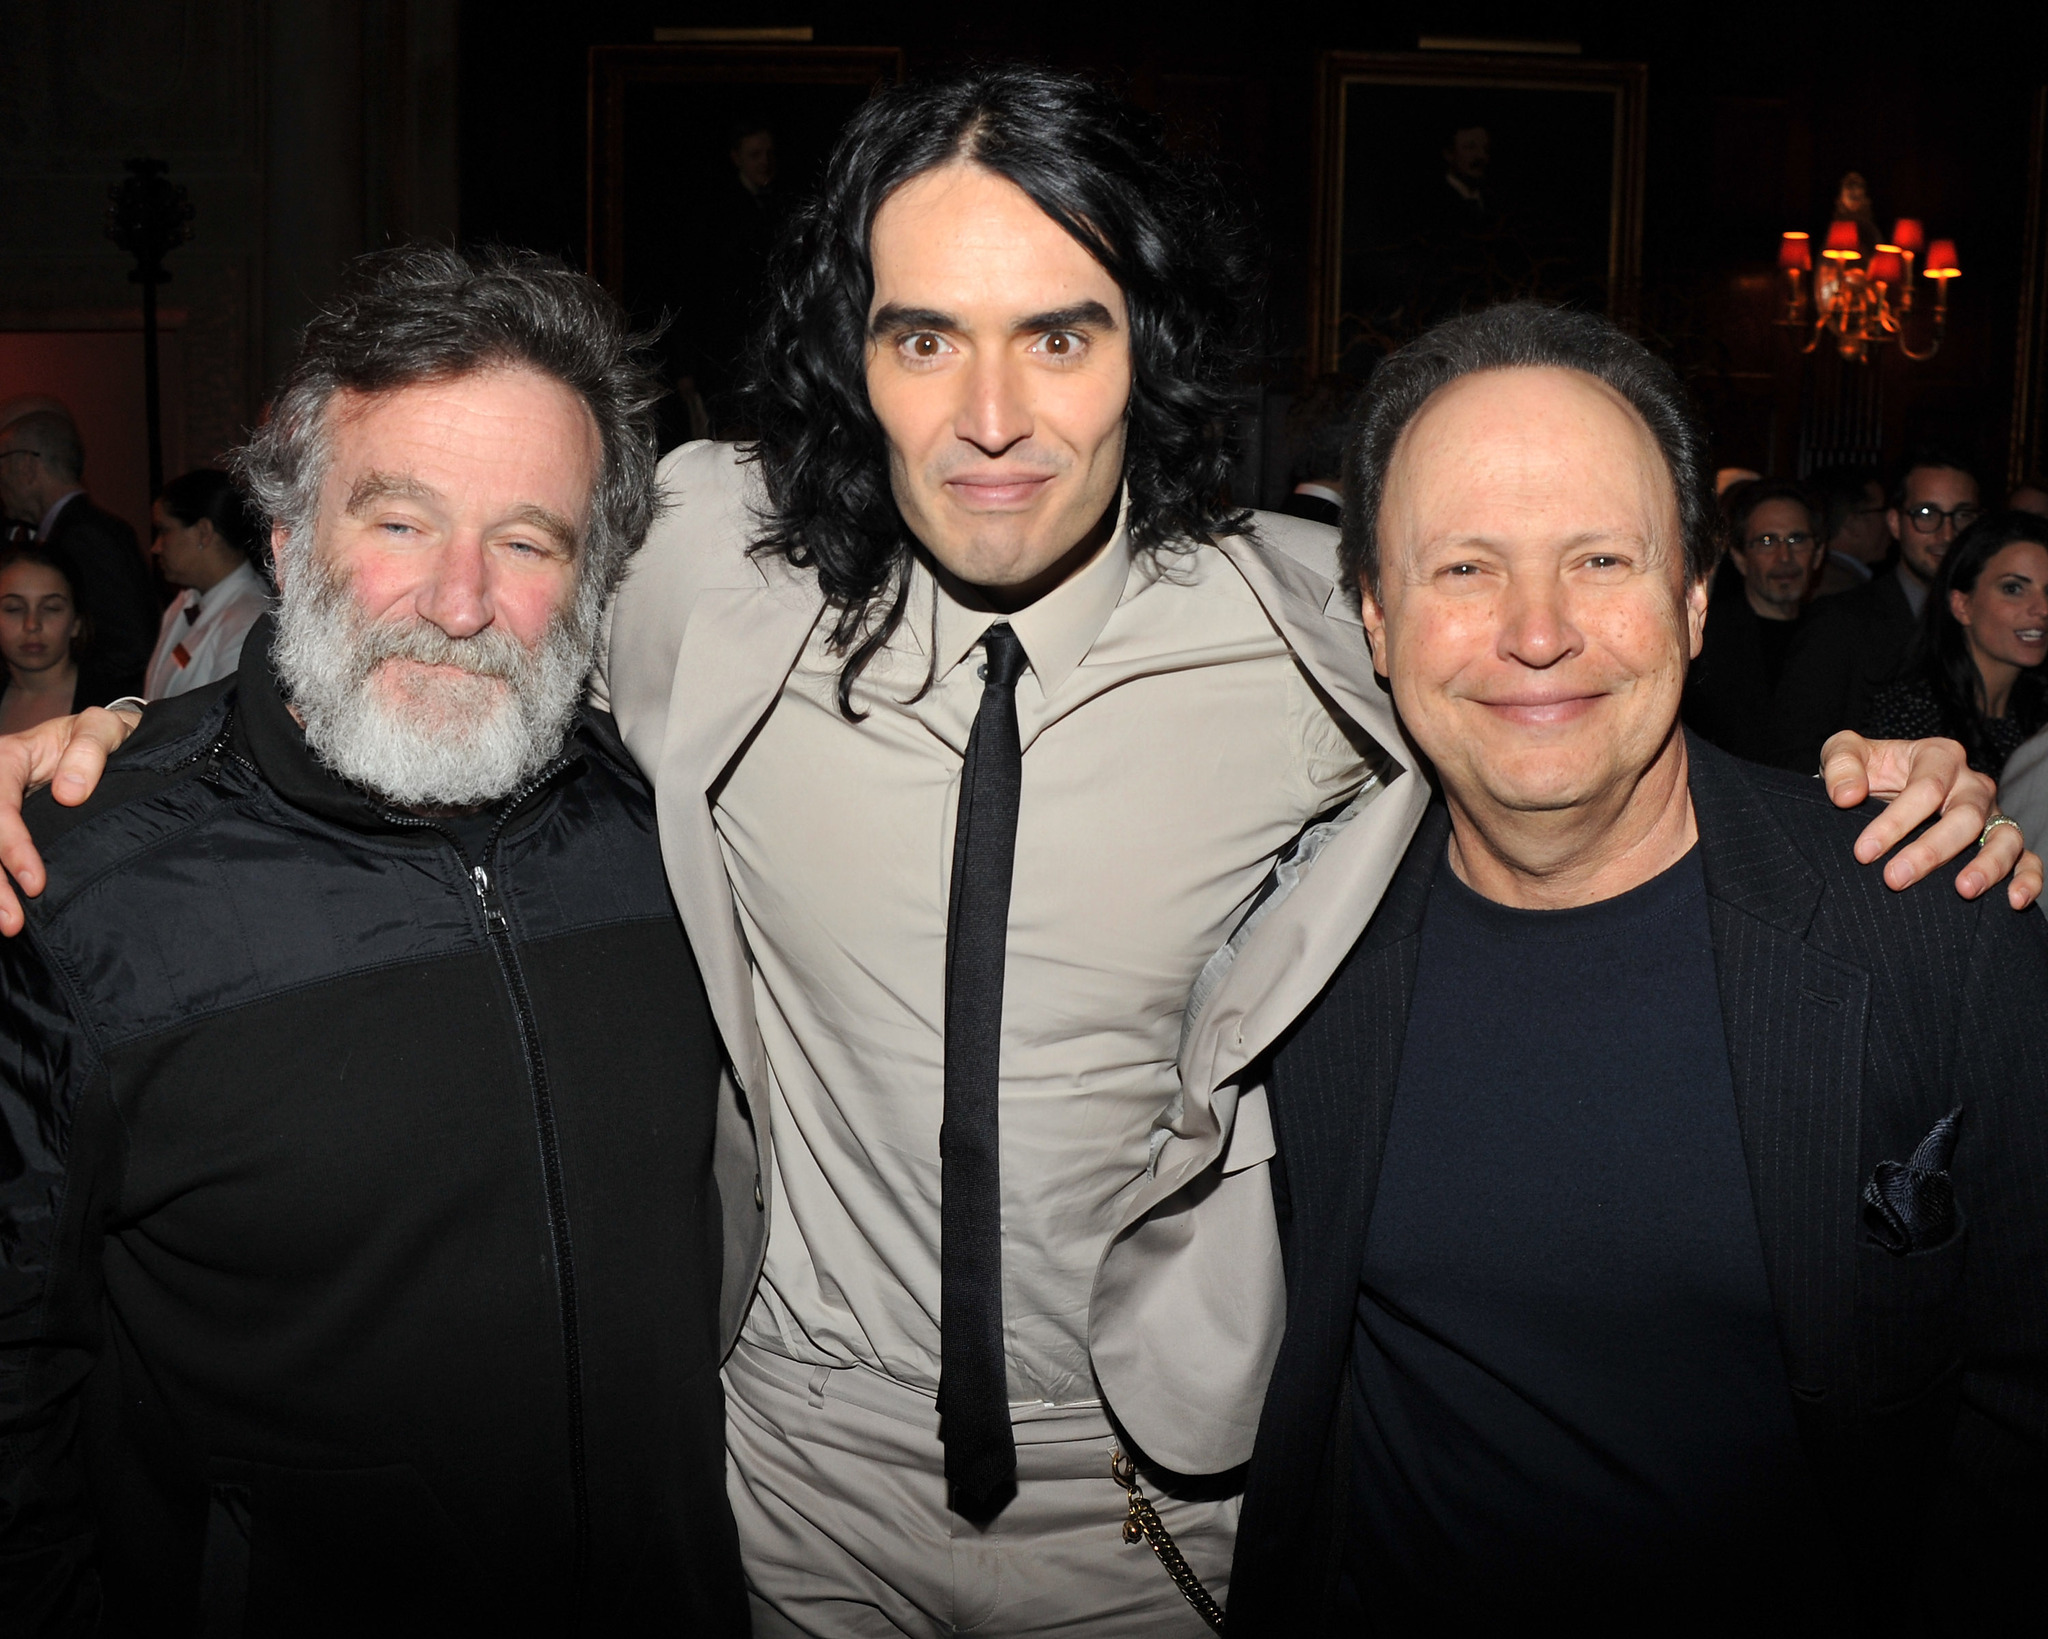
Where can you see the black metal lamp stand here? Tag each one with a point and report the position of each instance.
(149, 216)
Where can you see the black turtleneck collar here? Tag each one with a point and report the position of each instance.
(268, 737)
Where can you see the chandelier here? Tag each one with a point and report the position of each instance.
(1863, 302)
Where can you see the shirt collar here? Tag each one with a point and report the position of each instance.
(1058, 630)
(225, 590)
(50, 518)
(1914, 588)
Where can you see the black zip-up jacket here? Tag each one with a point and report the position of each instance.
(359, 1252)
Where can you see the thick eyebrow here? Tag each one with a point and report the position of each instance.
(373, 487)
(551, 523)
(895, 319)
(1474, 541)
(1080, 316)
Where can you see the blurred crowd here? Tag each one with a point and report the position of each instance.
(1901, 609)
(86, 617)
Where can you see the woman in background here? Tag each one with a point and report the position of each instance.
(43, 641)
(1975, 674)
(206, 540)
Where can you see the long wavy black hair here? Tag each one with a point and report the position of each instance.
(1941, 649)
(1162, 228)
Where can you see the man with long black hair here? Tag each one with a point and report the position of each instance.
(978, 718)
(995, 715)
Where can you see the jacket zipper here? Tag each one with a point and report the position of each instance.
(500, 934)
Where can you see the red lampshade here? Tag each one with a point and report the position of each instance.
(1844, 245)
(1888, 265)
(1909, 235)
(1795, 250)
(1941, 260)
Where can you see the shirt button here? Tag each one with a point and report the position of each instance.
(759, 1204)
(981, 671)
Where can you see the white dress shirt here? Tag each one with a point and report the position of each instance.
(200, 641)
(1172, 748)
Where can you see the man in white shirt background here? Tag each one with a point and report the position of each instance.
(204, 539)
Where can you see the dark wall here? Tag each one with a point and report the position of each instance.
(1755, 112)
(304, 131)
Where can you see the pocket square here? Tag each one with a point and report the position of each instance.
(1911, 1207)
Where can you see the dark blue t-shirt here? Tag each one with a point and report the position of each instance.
(1568, 1393)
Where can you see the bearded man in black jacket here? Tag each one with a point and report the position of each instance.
(361, 1254)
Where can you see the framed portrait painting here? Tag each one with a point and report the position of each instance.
(697, 153)
(1448, 182)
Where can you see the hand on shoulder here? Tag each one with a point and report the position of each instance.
(68, 754)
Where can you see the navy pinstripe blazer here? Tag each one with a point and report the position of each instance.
(1856, 1019)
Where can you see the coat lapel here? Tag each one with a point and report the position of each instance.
(1795, 1021)
(1320, 622)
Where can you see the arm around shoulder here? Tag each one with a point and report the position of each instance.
(68, 754)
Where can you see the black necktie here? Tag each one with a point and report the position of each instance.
(974, 1395)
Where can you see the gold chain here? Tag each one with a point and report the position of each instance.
(1143, 1522)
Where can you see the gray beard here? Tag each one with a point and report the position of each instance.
(434, 741)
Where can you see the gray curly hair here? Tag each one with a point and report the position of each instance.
(432, 312)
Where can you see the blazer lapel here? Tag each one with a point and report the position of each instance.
(1321, 625)
(1795, 1019)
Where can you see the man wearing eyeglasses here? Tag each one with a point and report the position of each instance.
(1857, 641)
(1757, 610)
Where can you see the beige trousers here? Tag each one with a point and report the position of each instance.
(837, 1482)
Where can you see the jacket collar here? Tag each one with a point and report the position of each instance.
(1057, 631)
(1401, 907)
(1750, 864)
(1319, 618)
